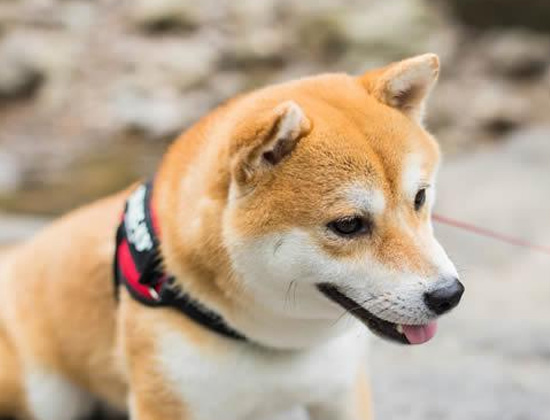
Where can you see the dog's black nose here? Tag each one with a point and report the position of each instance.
(445, 298)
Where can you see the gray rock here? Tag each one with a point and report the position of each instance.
(483, 14)
(30, 59)
(153, 115)
(381, 32)
(266, 47)
(15, 228)
(79, 15)
(10, 173)
(174, 64)
(161, 15)
(518, 55)
(19, 76)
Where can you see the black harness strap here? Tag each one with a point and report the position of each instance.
(138, 266)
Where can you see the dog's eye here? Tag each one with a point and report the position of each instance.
(420, 199)
(350, 226)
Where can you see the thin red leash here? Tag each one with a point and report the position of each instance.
(490, 234)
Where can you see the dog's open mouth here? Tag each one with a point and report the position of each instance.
(404, 334)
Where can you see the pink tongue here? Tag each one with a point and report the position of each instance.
(418, 334)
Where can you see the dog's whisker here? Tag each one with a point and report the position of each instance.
(355, 308)
(292, 286)
(278, 245)
(342, 315)
(287, 294)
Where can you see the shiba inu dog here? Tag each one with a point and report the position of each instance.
(268, 220)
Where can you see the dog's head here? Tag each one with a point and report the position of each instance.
(333, 182)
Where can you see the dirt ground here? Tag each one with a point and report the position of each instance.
(491, 357)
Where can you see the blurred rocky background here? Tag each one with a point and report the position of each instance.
(92, 92)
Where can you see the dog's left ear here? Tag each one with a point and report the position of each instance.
(264, 142)
(404, 85)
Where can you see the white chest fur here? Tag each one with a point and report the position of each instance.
(242, 381)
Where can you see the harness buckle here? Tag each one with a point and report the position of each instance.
(154, 294)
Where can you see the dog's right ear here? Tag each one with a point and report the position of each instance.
(262, 143)
(404, 85)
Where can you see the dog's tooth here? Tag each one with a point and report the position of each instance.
(399, 329)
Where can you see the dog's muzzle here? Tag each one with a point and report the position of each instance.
(439, 301)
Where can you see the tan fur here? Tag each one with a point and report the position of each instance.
(57, 304)
(59, 311)
(11, 397)
(150, 386)
(363, 396)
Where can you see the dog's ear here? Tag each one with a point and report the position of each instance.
(264, 142)
(404, 85)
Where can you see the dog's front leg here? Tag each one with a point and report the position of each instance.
(351, 404)
(155, 407)
(151, 394)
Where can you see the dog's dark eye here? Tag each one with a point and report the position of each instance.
(350, 226)
(420, 199)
